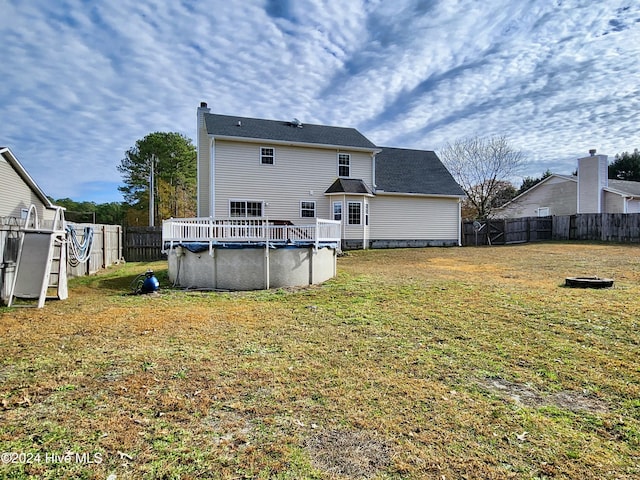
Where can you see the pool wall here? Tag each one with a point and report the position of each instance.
(251, 268)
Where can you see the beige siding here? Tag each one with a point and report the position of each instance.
(559, 195)
(413, 218)
(298, 174)
(613, 203)
(15, 194)
(354, 232)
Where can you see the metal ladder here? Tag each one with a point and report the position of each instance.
(42, 262)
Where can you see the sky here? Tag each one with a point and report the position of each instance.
(83, 80)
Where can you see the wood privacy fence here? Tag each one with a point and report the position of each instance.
(506, 231)
(143, 244)
(605, 227)
(106, 250)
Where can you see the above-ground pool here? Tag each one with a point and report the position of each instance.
(249, 254)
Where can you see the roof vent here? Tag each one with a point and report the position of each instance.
(296, 123)
(592, 152)
(239, 124)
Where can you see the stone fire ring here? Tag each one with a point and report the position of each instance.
(588, 282)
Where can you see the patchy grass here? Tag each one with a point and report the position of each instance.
(417, 363)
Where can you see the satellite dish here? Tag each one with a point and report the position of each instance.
(477, 226)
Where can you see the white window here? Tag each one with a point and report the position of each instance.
(245, 208)
(337, 211)
(267, 155)
(366, 214)
(543, 211)
(355, 213)
(344, 165)
(307, 209)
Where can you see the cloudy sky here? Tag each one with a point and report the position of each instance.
(82, 80)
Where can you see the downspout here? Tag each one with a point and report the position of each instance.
(373, 172)
(459, 222)
(212, 179)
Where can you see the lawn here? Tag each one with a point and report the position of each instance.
(441, 363)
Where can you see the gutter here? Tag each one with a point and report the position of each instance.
(372, 150)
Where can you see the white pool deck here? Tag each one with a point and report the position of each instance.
(249, 253)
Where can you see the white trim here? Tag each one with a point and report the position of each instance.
(333, 210)
(373, 172)
(369, 195)
(349, 202)
(198, 195)
(212, 178)
(13, 161)
(620, 192)
(338, 154)
(400, 194)
(273, 155)
(298, 144)
(315, 213)
(246, 200)
(460, 222)
(542, 212)
(366, 213)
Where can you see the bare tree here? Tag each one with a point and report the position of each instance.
(480, 166)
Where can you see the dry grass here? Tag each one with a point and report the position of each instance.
(419, 363)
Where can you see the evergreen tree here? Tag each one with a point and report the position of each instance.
(626, 166)
(174, 162)
(529, 182)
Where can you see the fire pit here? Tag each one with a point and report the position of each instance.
(588, 282)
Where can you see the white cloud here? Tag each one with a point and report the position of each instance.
(81, 82)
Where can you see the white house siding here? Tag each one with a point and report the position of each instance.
(558, 194)
(434, 219)
(592, 176)
(298, 174)
(633, 206)
(15, 194)
(204, 161)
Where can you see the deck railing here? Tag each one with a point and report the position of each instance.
(248, 230)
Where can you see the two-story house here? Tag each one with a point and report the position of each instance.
(293, 172)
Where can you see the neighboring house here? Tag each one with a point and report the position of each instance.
(18, 191)
(588, 192)
(289, 171)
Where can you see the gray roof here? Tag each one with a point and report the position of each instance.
(349, 185)
(625, 186)
(283, 131)
(400, 170)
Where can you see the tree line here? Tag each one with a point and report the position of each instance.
(172, 157)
